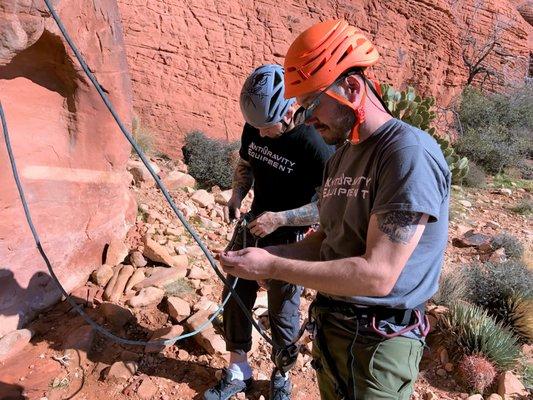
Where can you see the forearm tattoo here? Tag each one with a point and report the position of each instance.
(243, 178)
(399, 226)
(303, 216)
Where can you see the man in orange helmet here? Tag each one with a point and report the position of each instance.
(378, 254)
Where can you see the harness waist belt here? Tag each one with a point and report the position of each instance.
(393, 315)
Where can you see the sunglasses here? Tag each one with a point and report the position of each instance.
(304, 113)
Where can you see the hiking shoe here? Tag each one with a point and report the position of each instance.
(225, 388)
(280, 388)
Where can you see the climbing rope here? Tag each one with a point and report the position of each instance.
(167, 196)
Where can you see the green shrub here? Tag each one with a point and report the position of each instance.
(210, 161)
(452, 288)
(505, 181)
(492, 285)
(496, 129)
(525, 207)
(476, 177)
(469, 330)
(520, 317)
(512, 246)
(142, 136)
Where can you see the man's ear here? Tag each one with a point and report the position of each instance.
(353, 87)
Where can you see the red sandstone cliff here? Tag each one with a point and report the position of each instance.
(188, 59)
(70, 155)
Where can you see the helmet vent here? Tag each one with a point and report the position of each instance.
(318, 68)
(348, 51)
(277, 80)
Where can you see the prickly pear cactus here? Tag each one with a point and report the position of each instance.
(411, 108)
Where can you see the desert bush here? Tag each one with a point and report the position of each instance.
(495, 129)
(452, 288)
(476, 177)
(210, 161)
(468, 330)
(512, 246)
(142, 136)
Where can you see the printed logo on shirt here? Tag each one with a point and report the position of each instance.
(262, 153)
(346, 186)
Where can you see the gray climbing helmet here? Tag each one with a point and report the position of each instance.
(262, 101)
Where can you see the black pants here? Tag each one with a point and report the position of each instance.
(283, 301)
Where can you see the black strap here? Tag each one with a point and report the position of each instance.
(392, 315)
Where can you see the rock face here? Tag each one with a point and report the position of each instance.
(70, 154)
(188, 60)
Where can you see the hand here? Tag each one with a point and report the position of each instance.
(265, 224)
(251, 263)
(232, 210)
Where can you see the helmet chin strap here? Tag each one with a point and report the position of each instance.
(359, 112)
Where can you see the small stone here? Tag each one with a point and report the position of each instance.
(147, 389)
(141, 175)
(146, 297)
(161, 276)
(183, 355)
(178, 308)
(124, 275)
(13, 342)
(203, 198)
(475, 397)
(116, 252)
(208, 338)
(174, 232)
(163, 334)
(157, 253)
(177, 180)
(465, 203)
(510, 385)
(137, 277)
(441, 372)
(102, 275)
(116, 315)
(206, 290)
(205, 305)
(493, 225)
(473, 240)
(223, 197)
(505, 191)
(448, 367)
(430, 396)
(137, 259)
(111, 284)
(494, 396)
(198, 273)
(122, 370)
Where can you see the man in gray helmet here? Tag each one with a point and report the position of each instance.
(284, 162)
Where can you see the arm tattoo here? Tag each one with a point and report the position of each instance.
(399, 226)
(303, 216)
(243, 178)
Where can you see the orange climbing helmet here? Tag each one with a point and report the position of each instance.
(322, 53)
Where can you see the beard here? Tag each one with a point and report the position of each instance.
(340, 127)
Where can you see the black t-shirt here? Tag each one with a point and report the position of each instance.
(287, 170)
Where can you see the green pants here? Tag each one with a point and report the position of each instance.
(370, 366)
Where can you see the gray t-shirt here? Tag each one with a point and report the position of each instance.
(398, 168)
